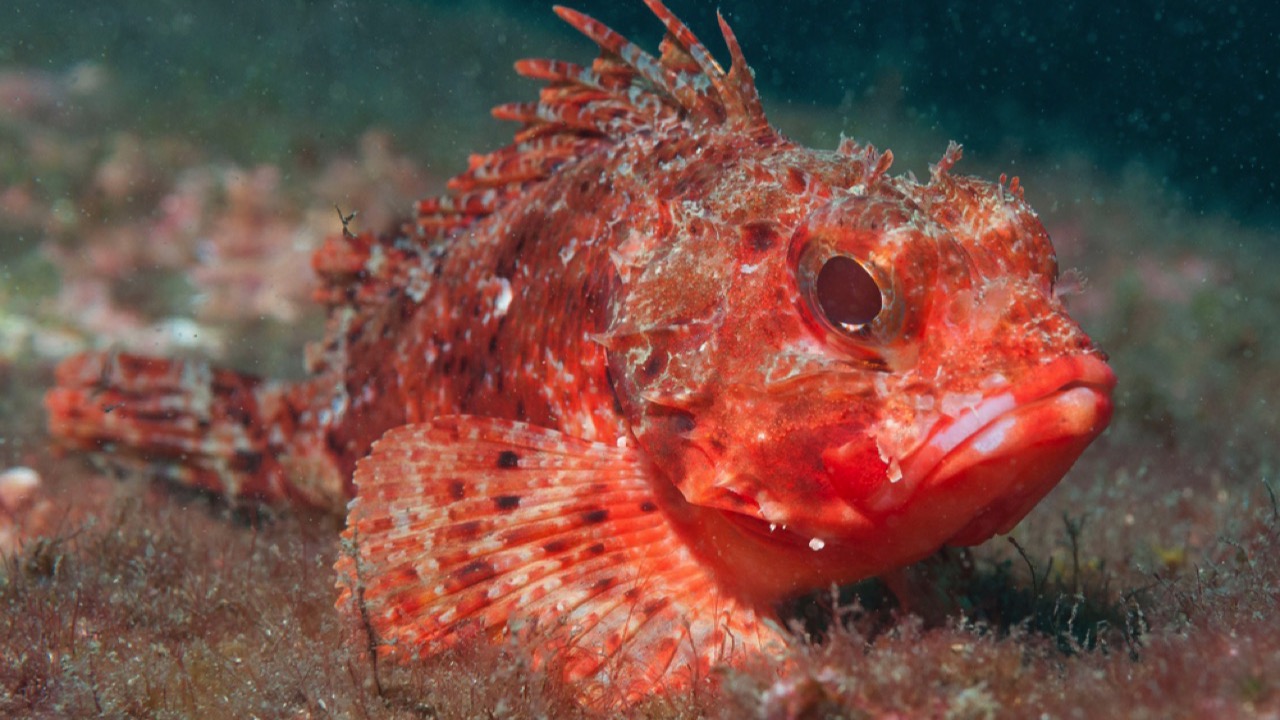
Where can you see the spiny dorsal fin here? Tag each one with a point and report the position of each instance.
(625, 90)
(703, 92)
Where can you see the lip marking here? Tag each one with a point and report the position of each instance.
(992, 438)
(1077, 380)
(971, 420)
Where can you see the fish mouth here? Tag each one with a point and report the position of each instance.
(983, 470)
(975, 475)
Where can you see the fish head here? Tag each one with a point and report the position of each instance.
(894, 373)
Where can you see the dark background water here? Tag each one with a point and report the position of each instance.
(1190, 89)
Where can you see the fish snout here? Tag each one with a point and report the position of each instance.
(979, 472)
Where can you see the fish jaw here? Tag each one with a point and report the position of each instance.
(977, 474)
(974, 476)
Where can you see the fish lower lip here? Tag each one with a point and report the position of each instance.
(1026, 435)
(765, 530)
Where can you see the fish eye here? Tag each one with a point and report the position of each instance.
(847, 294)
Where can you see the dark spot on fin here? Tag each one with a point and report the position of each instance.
(475, 571)
(508, 459)
(462, 531)
(457, 489)
(506, 502)
(655, 605)
(592, 517)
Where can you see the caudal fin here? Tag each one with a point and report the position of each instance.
(217, 430)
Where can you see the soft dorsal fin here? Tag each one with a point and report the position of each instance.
(581, 109)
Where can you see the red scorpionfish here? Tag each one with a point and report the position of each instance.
(641, 375)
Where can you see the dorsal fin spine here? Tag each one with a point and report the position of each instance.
(740, 75)
(684, 37)
(642, 62)
(558, 71)
(525, 112)
(624, 90)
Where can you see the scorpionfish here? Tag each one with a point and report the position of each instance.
(640, 376)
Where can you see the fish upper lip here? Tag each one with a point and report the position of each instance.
(1053, 379)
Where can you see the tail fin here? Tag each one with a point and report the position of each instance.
(217, 430)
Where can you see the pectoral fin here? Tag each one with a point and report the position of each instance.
(468, 527)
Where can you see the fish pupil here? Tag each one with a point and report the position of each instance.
(846, 293)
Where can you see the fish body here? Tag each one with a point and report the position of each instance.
(641, 375)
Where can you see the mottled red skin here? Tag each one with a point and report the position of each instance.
(638, 271)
